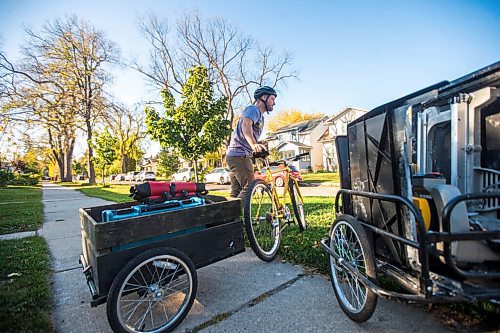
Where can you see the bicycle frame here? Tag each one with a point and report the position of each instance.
(286, 188)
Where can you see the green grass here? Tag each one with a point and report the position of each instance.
(114, 192)
(320, 177)
(21, 209)
(25, 296)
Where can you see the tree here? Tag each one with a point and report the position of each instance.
(235, 62)
(105, 152)
(197, 126)
(168, 163)
(129, 130)
(288, 117)
(60, 84)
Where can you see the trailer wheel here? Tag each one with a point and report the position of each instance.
(349, 241)
(153, 292)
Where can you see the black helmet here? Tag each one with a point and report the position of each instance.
(264, 90)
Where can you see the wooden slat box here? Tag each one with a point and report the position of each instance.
(206, 234)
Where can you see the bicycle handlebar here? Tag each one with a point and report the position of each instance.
(285, 161)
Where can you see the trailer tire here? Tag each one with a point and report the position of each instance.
(153, 292)
(356, 300)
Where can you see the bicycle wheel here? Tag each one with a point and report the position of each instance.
(153, 292)
(261, 222)
(298, 206)
(349, 241)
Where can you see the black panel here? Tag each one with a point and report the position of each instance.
(341, 144)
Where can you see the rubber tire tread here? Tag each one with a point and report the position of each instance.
(113, 295)
(371, 301)
(303, 225)
(248, 224)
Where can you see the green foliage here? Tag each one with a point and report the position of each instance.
(105, 151)
(198, 125)
(25, 296)
(5, 177)
(79, 168)
(168, 163)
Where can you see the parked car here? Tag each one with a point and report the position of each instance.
(279, 177)
(145, 175)
(218, 175)
(79, 177)
(184, 174)
(112, 177)
(131, 175)
(120, 177)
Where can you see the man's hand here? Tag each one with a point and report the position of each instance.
(257, 147)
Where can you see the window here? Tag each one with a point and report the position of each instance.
(306, 158)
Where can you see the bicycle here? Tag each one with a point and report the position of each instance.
(265, 215)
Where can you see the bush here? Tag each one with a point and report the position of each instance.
(5, 177)
(9, 178)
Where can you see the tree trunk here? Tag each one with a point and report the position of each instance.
(103, 183)
(90, 163)
(68, 157)
(196, 171)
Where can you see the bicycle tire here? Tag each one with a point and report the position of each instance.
(349, 240)
(160, 281)
(298, 206)
(261, 224)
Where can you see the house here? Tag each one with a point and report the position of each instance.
(298, 138)
(337, 125)
(149, 164)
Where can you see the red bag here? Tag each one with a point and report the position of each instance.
(163, 191)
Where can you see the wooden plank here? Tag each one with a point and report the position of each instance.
(202, 247)
(111, 234)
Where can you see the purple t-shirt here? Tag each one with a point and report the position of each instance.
(239, 145)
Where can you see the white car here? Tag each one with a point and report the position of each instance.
(218, 175)
(145, 175)
(184, 174)
(131, 175)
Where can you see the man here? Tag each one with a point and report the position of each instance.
(244, 140)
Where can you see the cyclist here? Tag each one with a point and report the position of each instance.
(244, 140)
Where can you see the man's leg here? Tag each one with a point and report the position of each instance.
(242, 170)
(232, 163)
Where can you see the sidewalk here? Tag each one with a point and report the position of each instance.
(239, 294)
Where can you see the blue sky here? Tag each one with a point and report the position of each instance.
(348, 53)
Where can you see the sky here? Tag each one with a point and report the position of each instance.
(348, 53)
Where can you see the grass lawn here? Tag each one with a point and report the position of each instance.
(113, 192)
(25, 295)
(320, 177)
(21, 209)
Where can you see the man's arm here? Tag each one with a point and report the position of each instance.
(246, 127)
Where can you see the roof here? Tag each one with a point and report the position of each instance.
(326, 136)
(343, 112)
(298, 144)
(302, 127)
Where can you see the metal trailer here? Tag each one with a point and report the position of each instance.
(420, 198)
(144, 267)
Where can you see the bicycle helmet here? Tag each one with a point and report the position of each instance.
(264, 90)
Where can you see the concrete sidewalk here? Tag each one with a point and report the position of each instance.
(239, 294)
